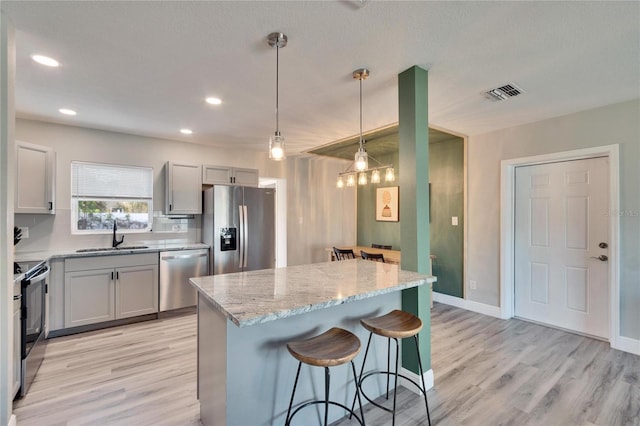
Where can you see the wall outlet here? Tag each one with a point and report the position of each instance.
(454, 220)
(473, 285)
(25, 232)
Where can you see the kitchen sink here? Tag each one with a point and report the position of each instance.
(89, 250)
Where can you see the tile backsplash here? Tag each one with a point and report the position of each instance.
(53, 232)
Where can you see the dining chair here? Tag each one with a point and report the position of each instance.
(381, 246)
(378, 257)
(343, 254)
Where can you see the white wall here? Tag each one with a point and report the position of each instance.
(7, 77)
(318, 213)
(613, 124)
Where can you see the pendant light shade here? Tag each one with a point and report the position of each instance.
(340, 183)
(389, 175)
(351, 180)
(276, 142)
(375, 176)
(361, 159)
(276, 147)
(362, 178)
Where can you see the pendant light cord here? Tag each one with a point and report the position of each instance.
(277, 83)
(361, 143)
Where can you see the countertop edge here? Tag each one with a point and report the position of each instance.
(72, 253)
(307, 308)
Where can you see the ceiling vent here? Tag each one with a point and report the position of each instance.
(503, 93)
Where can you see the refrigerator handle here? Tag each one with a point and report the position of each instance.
(241, 236)
(245, 243)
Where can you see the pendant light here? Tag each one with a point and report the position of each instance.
(276, 142)
(361, 159)
(375, 176)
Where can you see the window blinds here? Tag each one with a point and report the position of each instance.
(95, 180)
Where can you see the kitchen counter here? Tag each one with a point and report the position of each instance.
(255, 297)
(69, 253)
(245, 320)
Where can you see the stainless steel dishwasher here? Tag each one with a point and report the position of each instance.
(176, 267)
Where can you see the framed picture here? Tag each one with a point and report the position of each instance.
(387, 204)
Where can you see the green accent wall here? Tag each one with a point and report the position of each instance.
(446, 175)
(369, 229)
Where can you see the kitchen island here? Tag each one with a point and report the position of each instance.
(245, 373)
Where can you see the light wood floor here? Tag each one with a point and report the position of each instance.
(487, 372)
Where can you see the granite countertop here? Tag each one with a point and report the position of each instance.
(255, 297)
(68, 253)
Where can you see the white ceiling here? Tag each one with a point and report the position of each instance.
(145, 67)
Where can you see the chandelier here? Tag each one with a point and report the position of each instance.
(359, 169)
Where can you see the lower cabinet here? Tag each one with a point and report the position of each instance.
(104, 288)
(136, 291)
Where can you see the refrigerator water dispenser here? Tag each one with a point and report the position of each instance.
(227, 239)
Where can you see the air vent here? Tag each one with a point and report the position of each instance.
(502, 93)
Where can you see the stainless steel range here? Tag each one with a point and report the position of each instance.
(33, 290)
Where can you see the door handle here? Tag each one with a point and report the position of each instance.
(602, 257)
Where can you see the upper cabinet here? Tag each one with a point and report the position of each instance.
(213, 175)
(35, 179)
(183, 188)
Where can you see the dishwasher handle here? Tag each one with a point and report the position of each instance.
(183, 256)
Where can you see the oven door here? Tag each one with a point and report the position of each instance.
(33, 323)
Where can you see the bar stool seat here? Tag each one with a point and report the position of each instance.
(394, 325)
(331, 348)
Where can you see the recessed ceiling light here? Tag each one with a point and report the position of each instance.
(186, 131)
(213, 101)
(67, 111)
(45, 60)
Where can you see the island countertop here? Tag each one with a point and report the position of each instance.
(255, 297)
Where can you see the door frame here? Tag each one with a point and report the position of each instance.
(280, 186)
(507, 227)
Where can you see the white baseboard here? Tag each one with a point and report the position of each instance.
(626, 344)
(12, 420)
(469, 305)
(428, 380)
(621, 343)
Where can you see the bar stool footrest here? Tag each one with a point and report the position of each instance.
(352, 413)
(385, 373)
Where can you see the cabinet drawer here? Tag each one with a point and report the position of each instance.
(99, 262)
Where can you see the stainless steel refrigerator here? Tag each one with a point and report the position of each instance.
(238, 223)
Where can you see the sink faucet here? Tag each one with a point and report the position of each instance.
(115, 242)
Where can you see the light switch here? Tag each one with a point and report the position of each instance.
(454, 220)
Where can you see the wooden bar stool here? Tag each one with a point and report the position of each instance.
(394, 325)
(333, 347)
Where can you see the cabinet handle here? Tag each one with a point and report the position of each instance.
(117, 275)
(170, 207)
(50, 205)
(111, 275)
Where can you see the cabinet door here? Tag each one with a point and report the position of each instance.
(184, 189)
(35, 179)
(89, 297)
(136, 291)
(246, 177)
(17, 361)
(213, 175)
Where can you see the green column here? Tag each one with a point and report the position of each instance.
(414, 204)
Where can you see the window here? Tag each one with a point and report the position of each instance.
(102, 193)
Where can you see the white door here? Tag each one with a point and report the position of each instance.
(561, 228)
